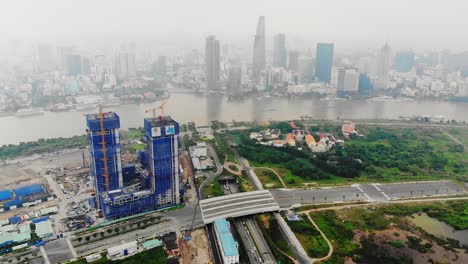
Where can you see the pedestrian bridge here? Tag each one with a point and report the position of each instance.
(236, 205)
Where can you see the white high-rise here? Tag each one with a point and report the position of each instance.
(382, 67)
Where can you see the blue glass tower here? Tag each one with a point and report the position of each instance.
(104, 142)
(163, 160)
(404, 61)
(365, 85)
(324, 62)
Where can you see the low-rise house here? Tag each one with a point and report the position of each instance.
(291, 139)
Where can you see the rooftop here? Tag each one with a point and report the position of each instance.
(43, 228)
(228, 243)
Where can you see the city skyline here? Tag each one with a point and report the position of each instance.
(349, 24)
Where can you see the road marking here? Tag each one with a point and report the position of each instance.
(365, 194)
(72, 249)
(44, 255)
(384, 194)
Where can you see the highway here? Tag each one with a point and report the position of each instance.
(372, 192)
(251, 235)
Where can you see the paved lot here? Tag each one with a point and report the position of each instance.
(58, 251)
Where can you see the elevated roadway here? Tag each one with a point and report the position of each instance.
(236, 205)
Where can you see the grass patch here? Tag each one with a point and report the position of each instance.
(397, 243)
(274, 238)
(310, 238)
(214, 189)
(268, 178)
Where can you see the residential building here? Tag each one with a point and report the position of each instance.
(103, 134)
(324, 62)
(74, 65)
(125, 65)
(293, 60)
(46, 60)
(163, 165)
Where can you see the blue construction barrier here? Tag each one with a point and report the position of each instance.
(14, 220)
(29, 190)
(40, 219)
(16, 202)
(5, 195)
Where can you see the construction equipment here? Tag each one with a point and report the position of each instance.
(160, 107)
(104, 149)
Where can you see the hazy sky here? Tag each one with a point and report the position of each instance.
(421, 24)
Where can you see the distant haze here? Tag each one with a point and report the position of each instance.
(418, 24)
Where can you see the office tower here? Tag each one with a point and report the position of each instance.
(382, 67)
(159, 67)
(234, 80)
(74, 65)
(324, 62)
(279, 51)
(404, 61)
(365, 85)
(86, 65)
(351, 81)
(163, 159)
(125, 65)
(62, 55)
(46, 61)
(104, 145)
(293, 64)
(340, 81)
(259, 59)
(306, 69)
(213, 63)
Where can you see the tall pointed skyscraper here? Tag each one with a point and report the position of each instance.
(259, 60)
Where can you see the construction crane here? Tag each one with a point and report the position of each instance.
(160, 107)
(104, 148)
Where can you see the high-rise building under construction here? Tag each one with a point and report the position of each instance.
(163, 159)
(113, 198)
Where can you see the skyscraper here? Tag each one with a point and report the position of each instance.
(404, 61)
(213, 63)
(74, 65)
(46, 61)
(234, 79)
(279, 51)
(259, 59)
(382, 67)
(340, 81)
(365, 85)
(104, 143)
(125, 65)
(62, 56)
(163, 159)
(306, 69)
(293, 64)
(324, 62)
(159, 67)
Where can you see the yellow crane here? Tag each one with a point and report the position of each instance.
(160, 107)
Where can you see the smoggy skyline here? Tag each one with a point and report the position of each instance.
(424, 25)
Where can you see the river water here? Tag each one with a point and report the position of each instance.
(439, 228)
(201, 109)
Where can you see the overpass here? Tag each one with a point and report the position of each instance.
(236, 205)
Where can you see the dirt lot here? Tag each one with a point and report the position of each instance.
(14, 175)
(196, 250)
